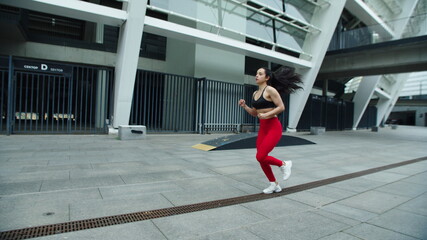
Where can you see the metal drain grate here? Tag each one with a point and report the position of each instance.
(52, 229)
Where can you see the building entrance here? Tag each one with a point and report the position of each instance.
(50, 98)
(42, 103)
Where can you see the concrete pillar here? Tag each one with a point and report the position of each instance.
(408, 7)
(99, 33)
(395, 92)
(101, 95)
(127, 60)
(385, 106)
(363, 96)
(325, 88)
(325, 17)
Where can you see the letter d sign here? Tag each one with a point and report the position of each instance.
(44, 67)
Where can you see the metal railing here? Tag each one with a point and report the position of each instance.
(218, 106)
(416, 26)
(164, 102)
(4, 75)
(172, 103)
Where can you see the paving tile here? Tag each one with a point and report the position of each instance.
(403, 188)
(20, 187)
(332, 192)
(202, 223)
(138, 178)
(420, 178)
(374, 201)
(230, 234)
(25, 162)
(33, 214)
(236, 169)
(337, 217)
(416, 205)
(371, 232)
(109, 207)
(53, 185)
(358, 185)
(310, 198)
(349, 212)
(410, 169)
(93, 173)
(386, 177)
(55, 168)
(339, 236)
(138, 189)
(191, 196)
(63, 196)
(299, 226)
(129, 231)
(403, 222)
(277, 207)
(36, 176)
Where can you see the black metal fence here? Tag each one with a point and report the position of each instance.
(164, 102)
(369, 118)
(4, 85)
(172, 103)
(218, 106)
(67, 99)
(47, 98)
(331, 113)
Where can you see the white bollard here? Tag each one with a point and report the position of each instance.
(132, 132)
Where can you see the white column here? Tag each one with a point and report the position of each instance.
(385, 106)
(127, 60)
(325, 18)
(395, 92)
(101, 94)
(408, 7)
(99, 33)
(363, 96)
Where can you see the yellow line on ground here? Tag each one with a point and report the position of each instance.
(204, 147)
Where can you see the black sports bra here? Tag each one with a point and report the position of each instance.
(262, 103)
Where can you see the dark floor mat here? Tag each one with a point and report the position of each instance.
(245, 141)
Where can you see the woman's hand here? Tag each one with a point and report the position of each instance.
(262, 115)
(242, 103)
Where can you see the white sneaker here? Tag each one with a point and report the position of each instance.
(286, 169)
(272, 188)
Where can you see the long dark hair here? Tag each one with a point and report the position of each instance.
(284, 79)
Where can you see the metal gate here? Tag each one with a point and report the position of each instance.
(49, 98)
(42, 103)
(164, 102)
(4, 85)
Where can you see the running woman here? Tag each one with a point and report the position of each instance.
(266, 105)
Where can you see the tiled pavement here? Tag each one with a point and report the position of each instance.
(60, 178)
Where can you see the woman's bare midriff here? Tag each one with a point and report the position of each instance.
(265, 110)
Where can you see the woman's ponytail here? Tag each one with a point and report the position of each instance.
(284, 79)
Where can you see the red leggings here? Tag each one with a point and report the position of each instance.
(269, 134)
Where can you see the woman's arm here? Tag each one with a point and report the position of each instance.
(251, 111)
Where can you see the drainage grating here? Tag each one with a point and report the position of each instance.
(53, 229)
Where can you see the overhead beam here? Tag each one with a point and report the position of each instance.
(399, 56)
(73, 9)
(188, 34)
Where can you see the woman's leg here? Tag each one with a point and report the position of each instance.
(268, 136)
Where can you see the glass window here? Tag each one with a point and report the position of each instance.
(289, 36)
(301, 10)
(275, 4)
(259, 26)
